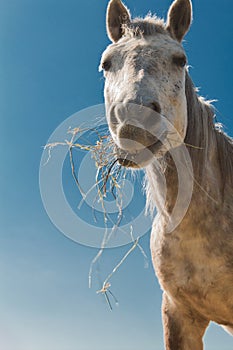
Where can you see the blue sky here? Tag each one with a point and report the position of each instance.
(50, 52)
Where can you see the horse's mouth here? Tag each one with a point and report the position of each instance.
(140, 158)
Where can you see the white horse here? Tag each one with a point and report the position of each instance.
(147, 83)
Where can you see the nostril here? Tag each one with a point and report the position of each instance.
(156, 107)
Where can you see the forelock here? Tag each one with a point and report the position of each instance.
(148, 26)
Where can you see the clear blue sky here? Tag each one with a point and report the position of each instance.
(49, 57)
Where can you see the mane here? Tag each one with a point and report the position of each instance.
(206, 136)
(148, 26)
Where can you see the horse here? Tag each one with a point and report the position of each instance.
(147, 84)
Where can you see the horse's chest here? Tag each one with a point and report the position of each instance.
(188, 271)
(180, 263)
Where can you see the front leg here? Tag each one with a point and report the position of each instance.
(183, 329)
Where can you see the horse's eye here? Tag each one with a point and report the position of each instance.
(106, 65)
(179, 61)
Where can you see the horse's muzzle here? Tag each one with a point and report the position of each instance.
(135, 126)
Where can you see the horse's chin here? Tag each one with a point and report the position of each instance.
(140, 158)
(128, 163)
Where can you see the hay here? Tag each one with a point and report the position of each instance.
(109, 174)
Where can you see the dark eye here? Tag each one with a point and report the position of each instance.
(106, 65)
(179, 61)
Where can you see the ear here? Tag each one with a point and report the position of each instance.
(179, 18)
(117, 15)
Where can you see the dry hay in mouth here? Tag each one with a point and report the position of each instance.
(108, 180)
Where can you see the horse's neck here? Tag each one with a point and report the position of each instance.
(211, 151)
(202, 142)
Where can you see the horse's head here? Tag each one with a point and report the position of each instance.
(144, 71)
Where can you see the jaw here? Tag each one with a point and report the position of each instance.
(141, 158)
